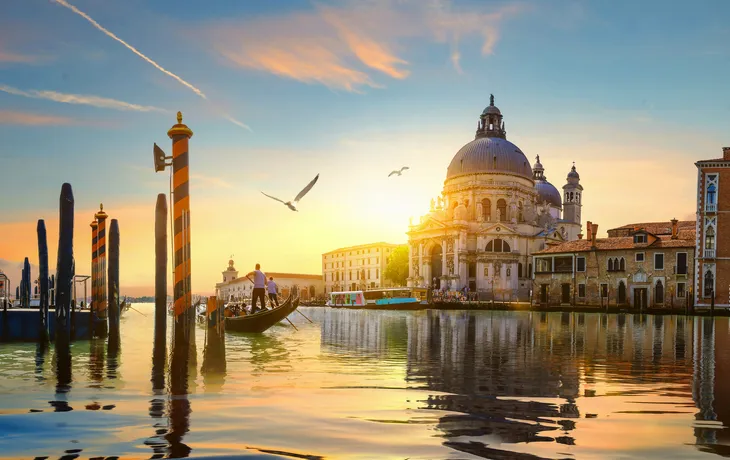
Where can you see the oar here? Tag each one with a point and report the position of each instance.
(132, 308)
(305, 316)
(292, 324)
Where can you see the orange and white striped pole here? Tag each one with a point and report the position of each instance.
(101, 326)
(184, 317)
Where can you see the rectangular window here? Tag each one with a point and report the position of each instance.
(581, 290)
(681, 290)
(640, 238)
(580, 264)
(564, 264)
(681, 263)
(658, 261)
(604, 290)
(639, 257)
(377, 273)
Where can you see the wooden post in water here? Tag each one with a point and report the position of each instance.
(64, 268)
(43, 280)
(25, 291)
(160, 346)
(94, 277)
(184, 331)
(114, 284)
(101, 327)
(52, 285)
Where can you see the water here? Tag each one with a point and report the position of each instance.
(367, 384)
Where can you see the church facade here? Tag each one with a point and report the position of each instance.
(494, 212)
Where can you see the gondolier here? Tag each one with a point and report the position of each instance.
(271, 287)
(259, 288)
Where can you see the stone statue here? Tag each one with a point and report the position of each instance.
(439, 202)
(432, 204)
(450, 245)
(415, 270)
(480, 216)
(460, 212)
(450, 265)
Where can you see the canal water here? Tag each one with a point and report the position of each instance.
(361, 384)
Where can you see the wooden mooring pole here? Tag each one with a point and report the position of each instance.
(43, 280)
(101, 327)
(114, 338)
(160, 341)
(64, 269)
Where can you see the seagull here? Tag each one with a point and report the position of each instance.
(398, 172)
(304, 191)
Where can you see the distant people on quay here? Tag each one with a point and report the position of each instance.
(259, 289)
(271, 287)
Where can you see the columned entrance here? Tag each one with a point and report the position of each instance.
(436, 262)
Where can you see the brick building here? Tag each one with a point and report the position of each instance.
(639, 269)
(712, 270)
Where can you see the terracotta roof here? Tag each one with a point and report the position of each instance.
(712, 160)
(276, 275)
(686, 239)
(657, 228)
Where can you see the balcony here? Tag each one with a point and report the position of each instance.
(710, 207)
(709, 253)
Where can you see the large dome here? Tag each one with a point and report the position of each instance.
(490, 155)
(547, 192)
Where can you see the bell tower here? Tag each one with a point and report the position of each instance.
(230, 273)
(572, 197)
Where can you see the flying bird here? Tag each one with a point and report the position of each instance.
(292, 205)
(399, 172)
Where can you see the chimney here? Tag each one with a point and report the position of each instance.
(580, 236)
(594, 234)
(589, 229)
(726, 153)
(675, 229)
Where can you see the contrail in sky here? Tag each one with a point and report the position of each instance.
(237, 123)
(81, 99)
(130, 47)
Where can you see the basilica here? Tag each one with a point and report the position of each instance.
(494, 212)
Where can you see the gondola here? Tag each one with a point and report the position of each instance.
(262, 320)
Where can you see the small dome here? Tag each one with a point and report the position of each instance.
(489, 155)
(547, 192)
(573, 174)
(491, 110)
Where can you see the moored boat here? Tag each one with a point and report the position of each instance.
(378, 299)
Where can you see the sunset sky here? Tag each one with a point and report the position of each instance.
(278, 91)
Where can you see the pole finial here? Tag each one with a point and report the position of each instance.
(179, 117)
(101, 206)
(491, 99)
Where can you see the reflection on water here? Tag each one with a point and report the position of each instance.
(377, 384)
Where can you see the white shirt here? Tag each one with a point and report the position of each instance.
(259, 279)
(272, 287)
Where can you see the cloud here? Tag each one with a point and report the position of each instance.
(82, 99)
(237, 123)
(210, 181)
(330, 44)
(6, 56)
(11, 117)
(130, 47)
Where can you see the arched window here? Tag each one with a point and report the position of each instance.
(502, 210)
(610, 265)
(710, 238)
(520, 217)
(519, 270)
(659, 292)
(487, 209)
(621, 292)
(709, 281)
(622, 264)
(711, 194)
(498, 245)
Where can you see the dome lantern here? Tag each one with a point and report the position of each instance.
(490, 122)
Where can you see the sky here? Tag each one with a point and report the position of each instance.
(278, 91)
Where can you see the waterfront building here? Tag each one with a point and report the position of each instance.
(712, 271)
(357, 267)
(234, 287)
(639, 269)
(494, 212)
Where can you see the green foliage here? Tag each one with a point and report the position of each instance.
(397, 269)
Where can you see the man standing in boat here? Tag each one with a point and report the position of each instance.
(259, 288)
(271, 287)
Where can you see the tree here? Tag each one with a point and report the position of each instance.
(397, 268)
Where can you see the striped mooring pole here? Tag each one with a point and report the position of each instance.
(184, 317)
(101, 328)
(94, 273)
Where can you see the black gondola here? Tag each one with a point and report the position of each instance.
(262, 320)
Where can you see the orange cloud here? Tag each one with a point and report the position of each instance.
(6, 56)
(11, 117)
(326, 45)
